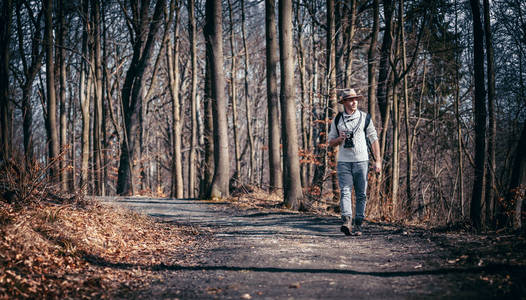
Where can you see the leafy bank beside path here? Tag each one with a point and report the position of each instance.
(80, 250)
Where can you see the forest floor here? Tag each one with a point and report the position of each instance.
(242, 249)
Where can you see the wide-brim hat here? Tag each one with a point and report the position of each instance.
(348, 95)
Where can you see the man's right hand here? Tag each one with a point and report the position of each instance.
(337, 141)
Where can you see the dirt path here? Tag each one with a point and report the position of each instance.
(278, 255)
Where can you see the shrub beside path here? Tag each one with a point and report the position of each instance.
(254, 254)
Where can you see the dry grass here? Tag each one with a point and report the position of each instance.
(67, 251)
(252, 197)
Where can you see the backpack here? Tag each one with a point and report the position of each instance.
(367, 121)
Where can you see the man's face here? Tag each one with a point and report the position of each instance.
(350, 104)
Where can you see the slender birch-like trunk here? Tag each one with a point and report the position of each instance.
(248, 109)
(233, 92)
(192, 157)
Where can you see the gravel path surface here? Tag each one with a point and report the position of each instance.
(251, 254)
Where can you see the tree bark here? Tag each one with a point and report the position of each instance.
(214, 42)
(275, 172)
(208, 137)
(333, 101)
(395, 160)
(193, 101)
(349, 37)
(62, 93)
(409, 150)
(97, 115)
(51, 124)
(459, 124)
(517, 187)
(371, 73)
(5, 35)
(85, 98)
(172, 52)
(233, 93)
(371, 62)
(492, 124)
(304, 111)
(293, 195)
(132, 89)
(385, 54)
(250, 133)
(480, 117)
(30, 71)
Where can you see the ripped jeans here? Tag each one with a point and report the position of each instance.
(353, 174)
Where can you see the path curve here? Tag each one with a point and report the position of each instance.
(281, 255)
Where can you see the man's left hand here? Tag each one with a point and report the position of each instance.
(378, 166)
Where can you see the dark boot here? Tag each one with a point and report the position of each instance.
(358, 226)
(347, 225)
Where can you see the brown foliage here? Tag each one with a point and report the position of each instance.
(56, 247)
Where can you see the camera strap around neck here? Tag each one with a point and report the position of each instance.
(357, 124)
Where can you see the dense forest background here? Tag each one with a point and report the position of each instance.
(203, 99)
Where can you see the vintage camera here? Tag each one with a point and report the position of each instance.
(349, 140)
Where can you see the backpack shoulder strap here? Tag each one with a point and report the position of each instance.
(367, 121)
(336, 121)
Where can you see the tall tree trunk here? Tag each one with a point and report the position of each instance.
(172, 53)
(30, 71)
(349, 37)
(193, 101)
(51, 125)
(385, 54)
(517, 187)
(250, 133)
(208, 137)
(409, 150)
(371, 62)
(305, 108)
(214, 42)
(395, 170)
(459, 123)
(132, 90)
(233, 93)
(383, 84)
(293, 195)
(106, 108)
(492, 124)
(73, 137)
(333, 101)
(313, 95)
(97, 115)
(62, 93)
(371, 76)
(395, 162)
(275, 172)
(5, 35)
(480, 116)
(85, 98)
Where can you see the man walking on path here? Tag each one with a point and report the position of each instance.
(350, 130)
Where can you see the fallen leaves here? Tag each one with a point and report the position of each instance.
(65, 251)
